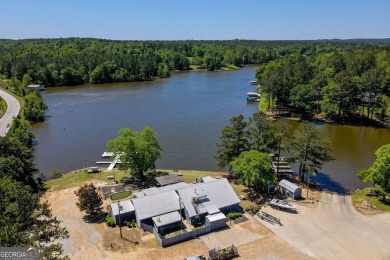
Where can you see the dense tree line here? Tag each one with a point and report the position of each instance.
(342, 84)
(24, 219)
(245, 147)
(379, 173)
(73, 61)
(34, 105)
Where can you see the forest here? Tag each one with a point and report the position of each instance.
(75, 61)
(347, 84)
(339, 79)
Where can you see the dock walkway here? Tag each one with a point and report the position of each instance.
(113, 163)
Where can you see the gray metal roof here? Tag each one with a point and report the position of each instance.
(126, 206)
(168, 179)
(158, 190)
(215, 217)
(288, 185)
(167, 219)
(212, 209)
(139, 194)
(218, 193)
(207, 179)
(151, 206)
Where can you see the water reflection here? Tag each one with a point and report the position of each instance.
(188, 112)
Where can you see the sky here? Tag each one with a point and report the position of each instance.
(198, 20)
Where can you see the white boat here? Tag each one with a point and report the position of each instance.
(282, 204)
(253, 96)
(253, 82)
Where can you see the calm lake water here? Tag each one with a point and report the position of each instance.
(188, 112)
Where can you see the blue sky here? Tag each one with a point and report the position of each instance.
(200, 19)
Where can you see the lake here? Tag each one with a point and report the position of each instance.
(188, 112)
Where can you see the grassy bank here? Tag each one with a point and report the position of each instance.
(20, 99)
(226, 68)
(79, 177)
(229, 67)
(263, 103)
(4, 106)
(365, 194)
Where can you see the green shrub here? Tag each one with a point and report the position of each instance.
(253, 209)
(110, 221)
(233, 215)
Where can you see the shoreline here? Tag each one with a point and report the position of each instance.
(78, 178)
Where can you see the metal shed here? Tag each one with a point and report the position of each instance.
(216, 221)
(126, 211)
(290, 189)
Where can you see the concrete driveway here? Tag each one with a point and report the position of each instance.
(334, 230)
(13, 108)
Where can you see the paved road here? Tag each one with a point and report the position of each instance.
(13, 108)
(334, 230)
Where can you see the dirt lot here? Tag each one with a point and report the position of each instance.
(333, 229)
(95, 240)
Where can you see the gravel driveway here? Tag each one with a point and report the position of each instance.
(334, 230)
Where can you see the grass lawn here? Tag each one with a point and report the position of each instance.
(78, 178)
(229, 67)
(360, 195)
(196, 68)
(190, 176)
(4, 105)
(120, 195)
(263, 103)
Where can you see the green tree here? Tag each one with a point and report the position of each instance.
(319, 82)
(310, 149)
(25, 221)
(16, 162)
(21, 131)
(253, 169)
(280, 131)
(234, 140)
(35, 107)
(379, 173)
(302, 100)
(139, 150)
(342, 96)
(89, 199)
(260, 136)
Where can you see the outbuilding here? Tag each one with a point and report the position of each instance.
(215, 221)
(123, 210)
(290, 189)
(36, 87)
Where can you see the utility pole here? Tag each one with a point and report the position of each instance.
(120, 224)
(307, 193)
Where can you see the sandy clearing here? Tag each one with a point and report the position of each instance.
(97, 241)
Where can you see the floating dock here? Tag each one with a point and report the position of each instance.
(111, 164)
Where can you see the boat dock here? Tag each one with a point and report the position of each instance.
(111, 164)
(282, 167)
